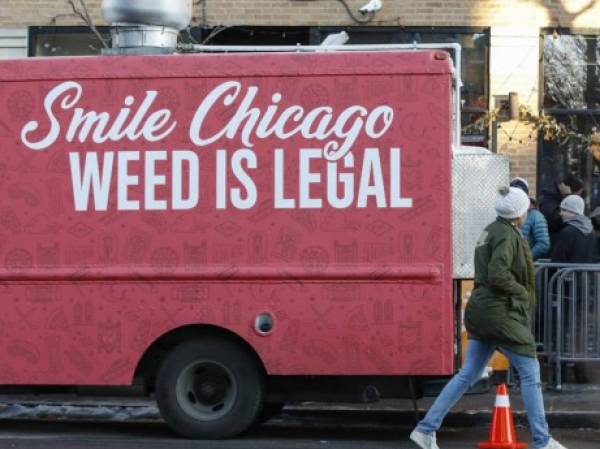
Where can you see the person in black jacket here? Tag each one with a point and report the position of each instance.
(549, 203)
(576, 241)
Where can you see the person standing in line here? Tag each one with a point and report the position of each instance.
(549, 203)
(535, 228)
(576, 241)
(497, 317)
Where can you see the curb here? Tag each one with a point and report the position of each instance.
(465, 418)
(330, 416)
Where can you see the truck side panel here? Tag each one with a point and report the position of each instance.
(139, 195)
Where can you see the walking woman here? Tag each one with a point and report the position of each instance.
(497, 317)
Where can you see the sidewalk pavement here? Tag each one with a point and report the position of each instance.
(574, 407)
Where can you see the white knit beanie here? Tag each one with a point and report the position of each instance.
(511, 202)
(573, 203)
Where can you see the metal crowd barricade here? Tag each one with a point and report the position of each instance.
(566, 321)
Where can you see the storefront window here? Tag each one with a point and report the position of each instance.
(242, 35)
(571, 72)
(572, 97)
(65, 41)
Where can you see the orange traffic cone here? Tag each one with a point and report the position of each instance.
(502, 431)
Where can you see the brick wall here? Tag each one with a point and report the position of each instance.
(541, 13)
(514, 67)
(519, 141)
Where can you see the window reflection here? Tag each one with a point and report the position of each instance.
(572, 97)
(66, 41)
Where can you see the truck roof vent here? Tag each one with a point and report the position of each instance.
(146, 26)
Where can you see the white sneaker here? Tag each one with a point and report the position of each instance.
(553, 444)
(425, 441)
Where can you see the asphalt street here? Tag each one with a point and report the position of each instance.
(278, 434)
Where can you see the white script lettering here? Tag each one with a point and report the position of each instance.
(152, 126)
(338, 131)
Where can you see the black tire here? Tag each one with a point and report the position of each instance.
(210, 388)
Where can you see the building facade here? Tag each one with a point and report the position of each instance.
(543, 52)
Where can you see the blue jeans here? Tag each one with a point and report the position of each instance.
(478, 354)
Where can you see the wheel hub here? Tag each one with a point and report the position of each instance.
(206, 390)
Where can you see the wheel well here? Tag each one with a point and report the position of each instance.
(148, 365)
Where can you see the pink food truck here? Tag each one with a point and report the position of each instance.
(230, 232)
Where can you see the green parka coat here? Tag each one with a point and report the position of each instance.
(504, 294)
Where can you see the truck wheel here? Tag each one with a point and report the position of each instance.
(209, 389)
